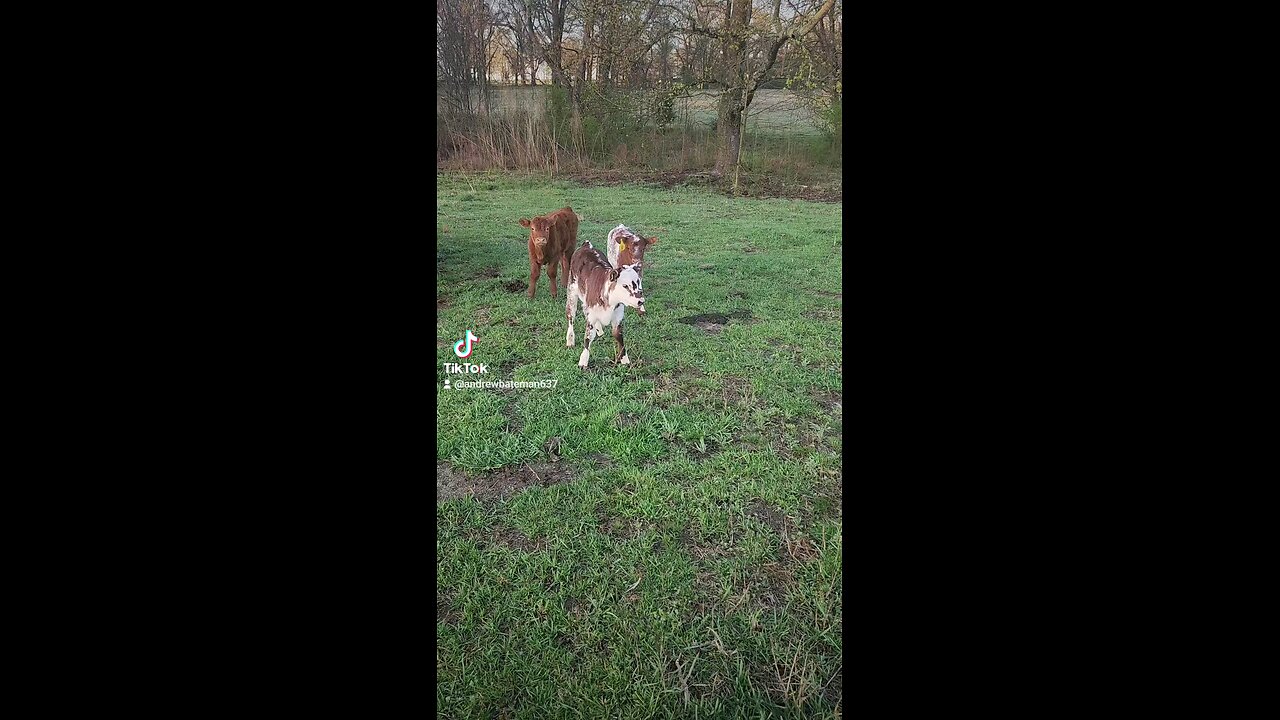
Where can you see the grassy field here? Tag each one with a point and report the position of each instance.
(659, 540)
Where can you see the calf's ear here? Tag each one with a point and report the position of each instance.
(524, 222)
(613, 274)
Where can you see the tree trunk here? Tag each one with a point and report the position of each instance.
(734, 76)
(729, 127)
(740, 86)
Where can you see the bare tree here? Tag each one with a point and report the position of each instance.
(452, 58)
(546, 21)
(748, 52)
(465, 51)
(814, 70)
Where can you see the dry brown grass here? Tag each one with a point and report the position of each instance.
(529, 142)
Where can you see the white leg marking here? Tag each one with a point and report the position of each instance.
(586, 350)
(625, 360)
(570, 311)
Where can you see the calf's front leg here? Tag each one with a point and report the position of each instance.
(570, 310)
(592, 332)
(534, 270)
(620, 348)
(551, 275)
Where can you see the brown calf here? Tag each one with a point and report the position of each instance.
(552, 239)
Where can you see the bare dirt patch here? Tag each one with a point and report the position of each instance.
(734, 391)
(768, 515)
(714, 322)
(488, 273)
(516, 540)
(670, 383)
(833, 691)
(826, 315)
(826, 501)
(617, 527)
(601, 460)
(444, 610)
(515, 286)
(497, 484)
(764, 587)
(832, 402)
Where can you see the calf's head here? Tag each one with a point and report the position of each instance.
(539, 228)
(625, 288)
(631, 248)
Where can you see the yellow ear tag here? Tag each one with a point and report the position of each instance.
(622, 246)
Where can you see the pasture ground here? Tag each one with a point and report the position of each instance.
(654, 541)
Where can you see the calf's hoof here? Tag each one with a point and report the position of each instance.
(625, 360)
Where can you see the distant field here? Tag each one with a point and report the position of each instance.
(772, 111)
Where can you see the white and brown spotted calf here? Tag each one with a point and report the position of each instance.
(626, 246)
(605, 292)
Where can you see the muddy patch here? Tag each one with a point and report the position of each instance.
(833, 692)
(670, 384)
(617, 527)
(515, 286)
(768, 515)
(600, 460)
(714, 322)
(488, 273)
(735, 390)
(481, 316)
(512, 538)
(444, 610)
(623, 528)
(831, 402)
(497, 484)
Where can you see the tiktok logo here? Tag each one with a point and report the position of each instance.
(458, 346)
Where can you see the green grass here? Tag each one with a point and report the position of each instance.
(684, 557)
